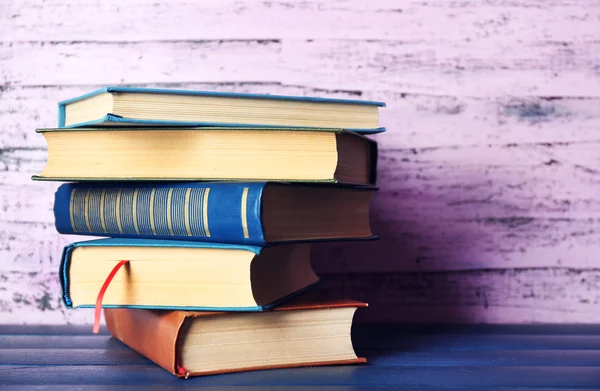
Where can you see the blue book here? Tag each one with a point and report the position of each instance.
(257, 213)
(168, 274)
(127, 106)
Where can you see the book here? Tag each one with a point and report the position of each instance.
(205, 343)
(307, 155)
(127, 106)
(168, 274)
(257, 213)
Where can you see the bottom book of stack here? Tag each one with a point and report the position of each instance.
(192, 343)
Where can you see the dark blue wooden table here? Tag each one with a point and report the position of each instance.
(434, 357)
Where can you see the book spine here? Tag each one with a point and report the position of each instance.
(61, 115)
(150, 333)
(63, 274)
(224, 212)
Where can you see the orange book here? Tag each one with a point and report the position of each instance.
(188, 343)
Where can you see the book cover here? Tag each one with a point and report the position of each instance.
(159, 337)
(116, 242)
(116, 119)
(129, 154)
(215, 212)
(229, 212)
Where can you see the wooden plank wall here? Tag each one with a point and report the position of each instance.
(489, 172)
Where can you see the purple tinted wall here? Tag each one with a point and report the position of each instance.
(489, 171)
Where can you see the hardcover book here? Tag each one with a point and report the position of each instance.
(256, 213)
(127, 106)
(257, 154)
(205, 343)
(167, 274)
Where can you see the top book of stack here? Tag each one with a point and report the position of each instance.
(126, 106)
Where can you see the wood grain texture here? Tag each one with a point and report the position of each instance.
(381, 356)
(407, 20)
(472, 377)
(489, 170)
(445, 357)
(438, 68)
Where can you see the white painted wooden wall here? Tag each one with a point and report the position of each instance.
(489, 171)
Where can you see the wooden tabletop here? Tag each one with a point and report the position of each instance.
(433, 357)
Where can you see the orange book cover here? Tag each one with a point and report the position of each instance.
(156, 333)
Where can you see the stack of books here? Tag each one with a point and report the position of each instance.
(211, 202)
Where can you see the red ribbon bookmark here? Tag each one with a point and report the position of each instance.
(98, 308)
(182, 371)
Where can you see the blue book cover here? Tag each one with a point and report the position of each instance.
(116, 120)
(229, 212)
(65, 265)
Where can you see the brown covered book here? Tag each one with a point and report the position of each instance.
(188, 343)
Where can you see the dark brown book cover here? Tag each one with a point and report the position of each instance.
(154, 334)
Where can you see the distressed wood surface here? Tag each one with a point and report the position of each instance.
(489, 171)
(437, 20)
(437, 68)
(475, 357)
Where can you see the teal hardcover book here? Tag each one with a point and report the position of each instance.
(169, 274)
(129, 106)
(256, 213)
